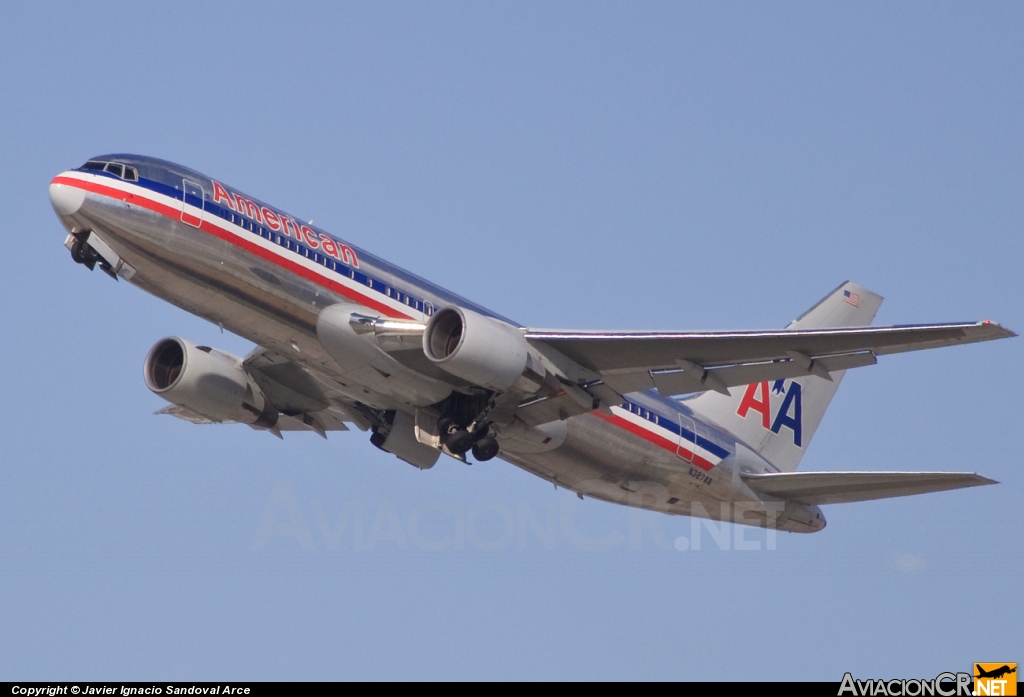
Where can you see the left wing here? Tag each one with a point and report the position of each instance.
(324, 420)
(303, 403)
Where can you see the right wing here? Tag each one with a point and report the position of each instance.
(678, 362)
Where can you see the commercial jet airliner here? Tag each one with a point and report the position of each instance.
(709, 424)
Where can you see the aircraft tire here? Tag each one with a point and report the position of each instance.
(82, 253)
(459, 442)
(485, 449)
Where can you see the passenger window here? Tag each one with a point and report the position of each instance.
(115, 169)
(130, 175)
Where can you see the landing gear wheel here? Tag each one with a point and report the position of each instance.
(459, 442)
(82, 253)
(484, 449)
(378, 439)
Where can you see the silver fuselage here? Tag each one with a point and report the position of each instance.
(181, 241)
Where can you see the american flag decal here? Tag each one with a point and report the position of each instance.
(851, 298)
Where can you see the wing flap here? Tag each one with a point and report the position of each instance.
(817, 488)
(547, 409)
(318, 422)
(286, 384)
(684, 381)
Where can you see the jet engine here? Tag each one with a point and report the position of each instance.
(483, 351)
(209, 382)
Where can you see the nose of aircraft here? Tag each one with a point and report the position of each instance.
(65, 199)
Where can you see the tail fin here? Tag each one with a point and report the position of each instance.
(777, 420)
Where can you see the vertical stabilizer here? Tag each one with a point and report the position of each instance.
(777, 419)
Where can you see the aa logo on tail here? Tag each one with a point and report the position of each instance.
(790, 412)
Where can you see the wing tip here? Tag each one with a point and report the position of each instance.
(999, 330)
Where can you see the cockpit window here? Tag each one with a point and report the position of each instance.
(118, 170)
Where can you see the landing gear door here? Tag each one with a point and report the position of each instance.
(192, 203)
(687, 438)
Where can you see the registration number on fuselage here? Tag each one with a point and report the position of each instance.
(700, 475)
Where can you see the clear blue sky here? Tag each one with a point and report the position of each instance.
(657, 165)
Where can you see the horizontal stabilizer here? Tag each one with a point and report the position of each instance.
(818, 488)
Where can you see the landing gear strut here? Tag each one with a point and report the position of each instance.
(88, 249)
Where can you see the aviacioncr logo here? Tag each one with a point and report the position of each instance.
(790, 411)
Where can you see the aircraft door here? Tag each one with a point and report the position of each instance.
(687, 438)
(192, 200)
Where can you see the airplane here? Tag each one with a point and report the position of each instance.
(708, 424)
(995, 673)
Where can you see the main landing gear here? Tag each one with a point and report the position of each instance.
(460, 440)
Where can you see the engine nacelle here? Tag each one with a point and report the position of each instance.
(209, 382)
(482, 350)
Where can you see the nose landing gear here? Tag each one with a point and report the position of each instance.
(88, 249)
(82, 253)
